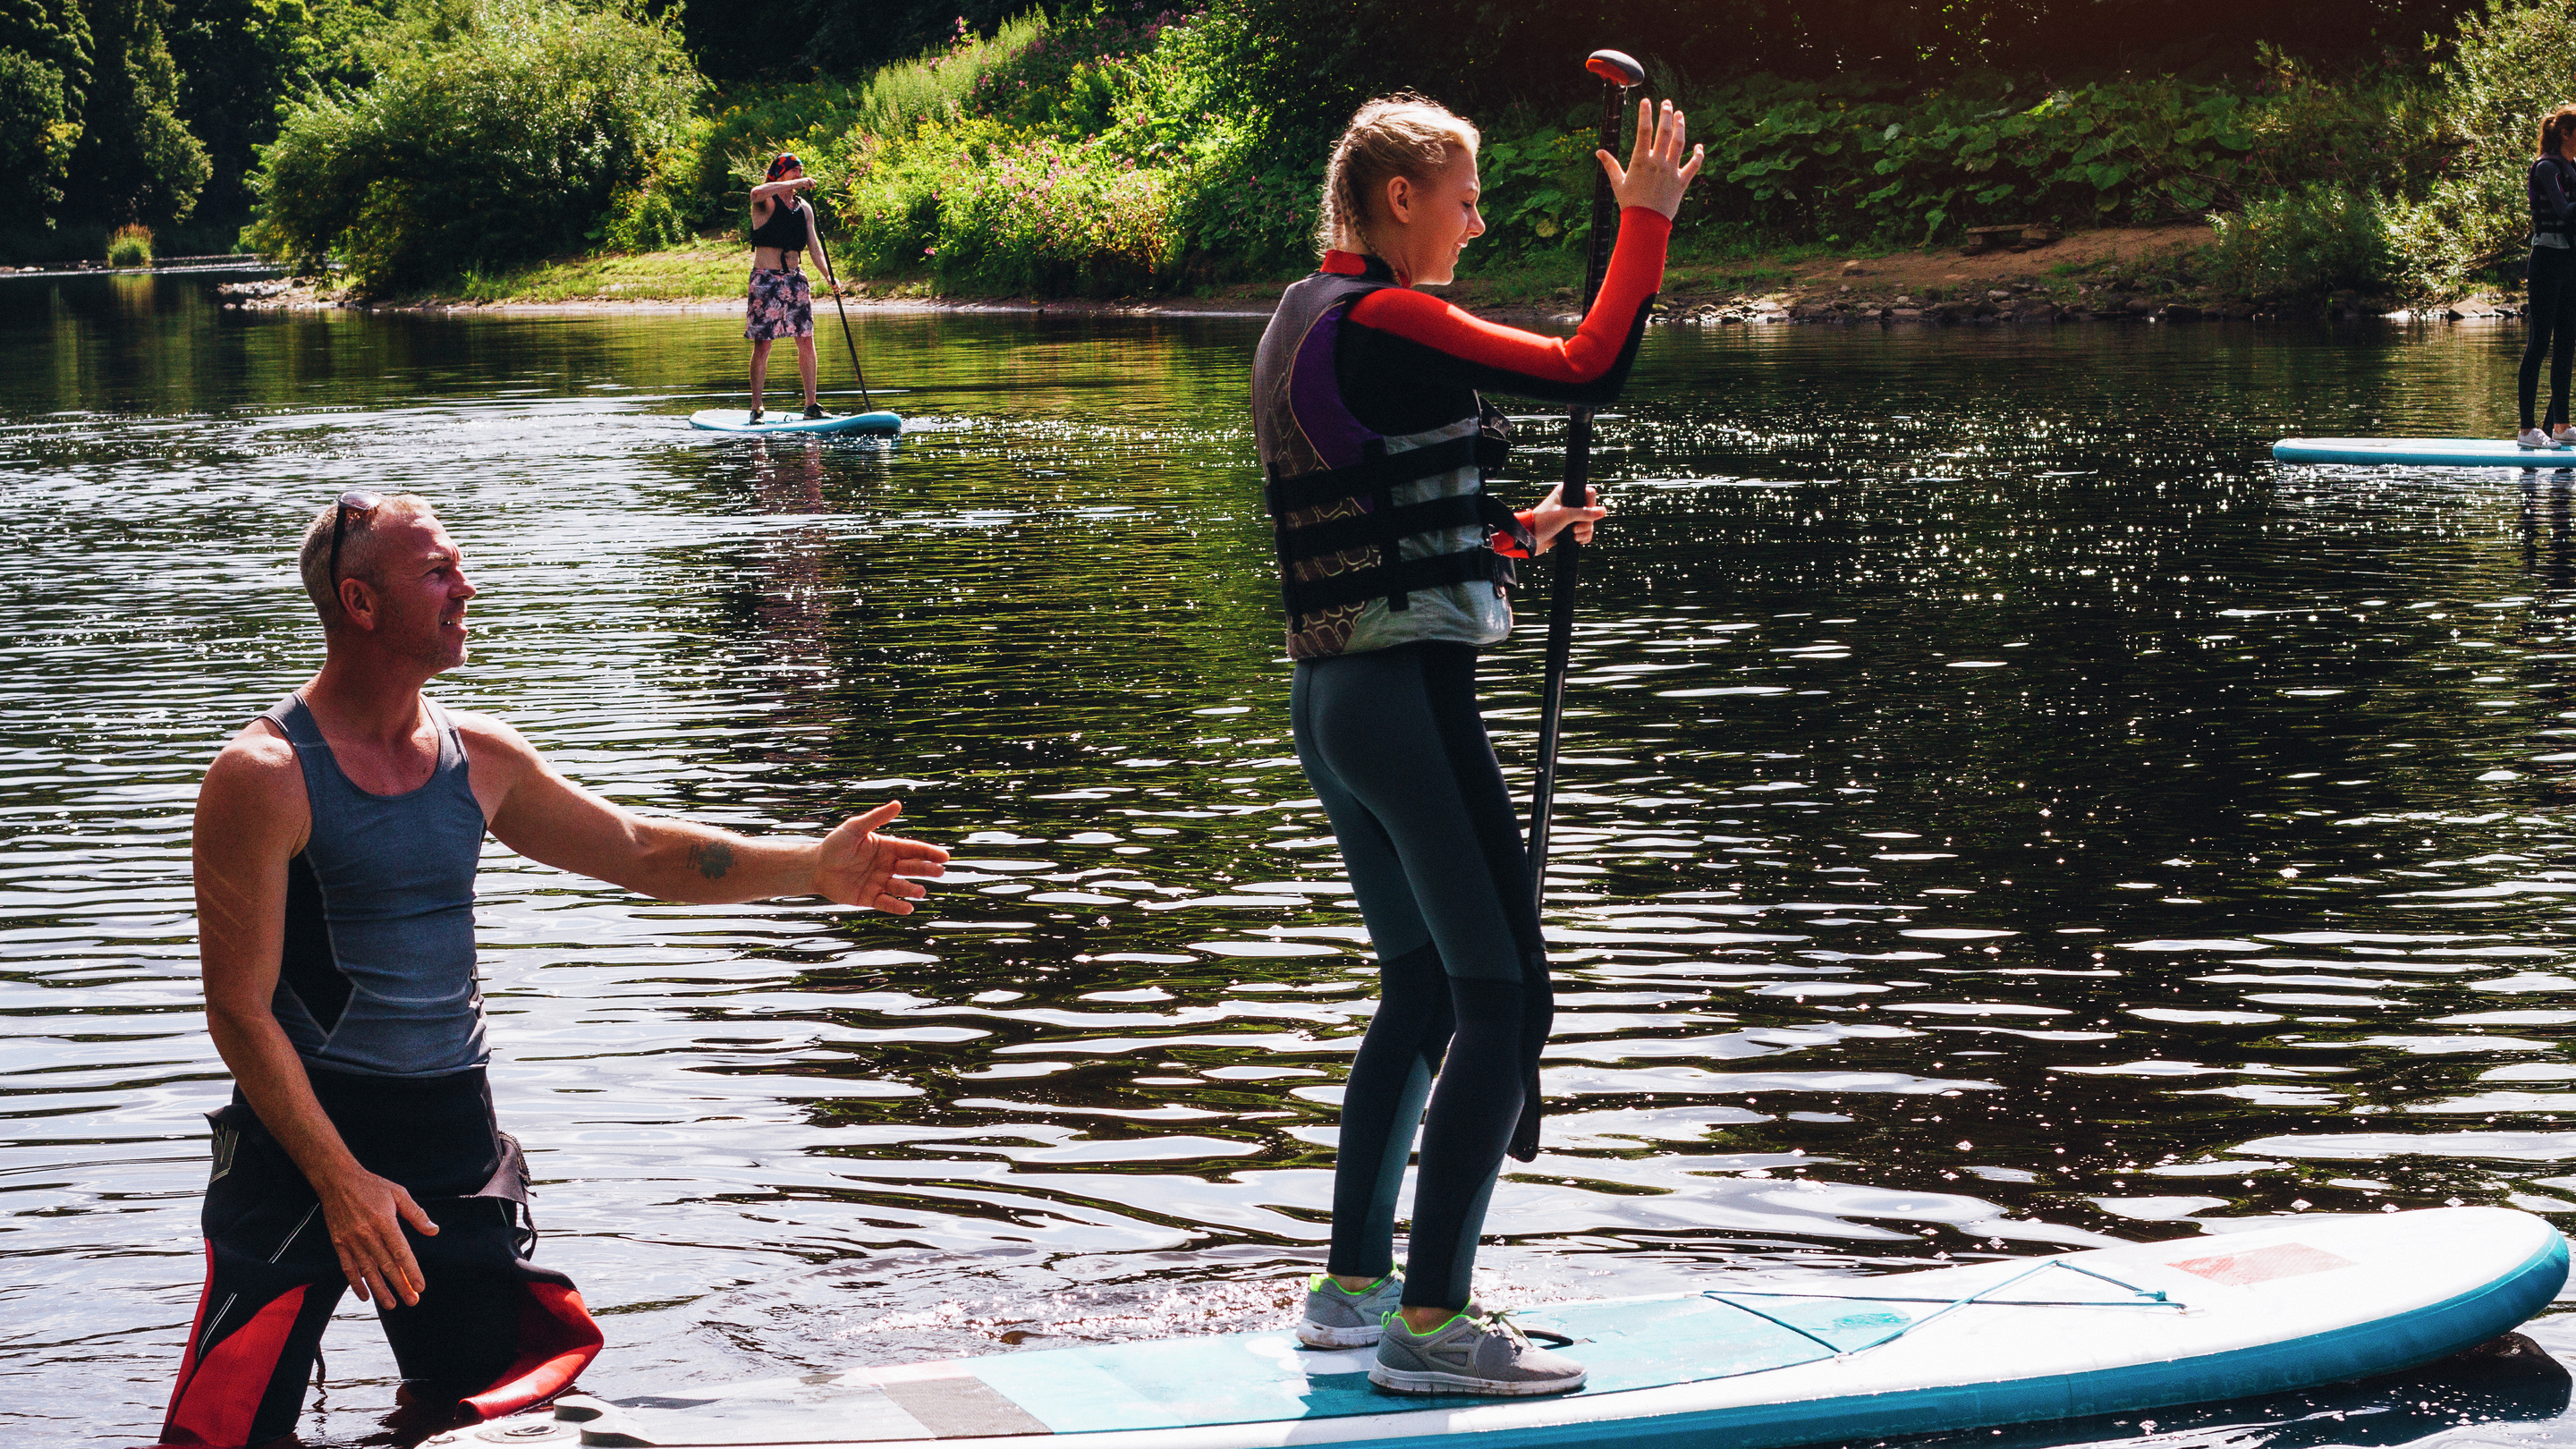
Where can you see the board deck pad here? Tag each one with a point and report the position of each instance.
(1253, 1378)
(738, 420)
(2423, 453)
(2004, 1341)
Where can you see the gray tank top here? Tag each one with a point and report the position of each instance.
(378, 971)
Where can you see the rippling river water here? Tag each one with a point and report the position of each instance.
(2003, 811)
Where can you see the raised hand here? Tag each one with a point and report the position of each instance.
(859, 867)
(1655, 176)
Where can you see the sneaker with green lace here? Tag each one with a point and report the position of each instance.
(1472, 1353)
(1336, 1317)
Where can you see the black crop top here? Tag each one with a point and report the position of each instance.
(785, 228)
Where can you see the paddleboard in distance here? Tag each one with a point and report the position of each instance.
(738, 420)
(2423, 452)
(1764, 1365)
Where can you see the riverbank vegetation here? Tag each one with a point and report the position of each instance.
(1110, 147)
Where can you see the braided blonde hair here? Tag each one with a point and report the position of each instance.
(1404, 135)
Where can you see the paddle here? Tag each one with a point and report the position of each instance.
(835, 280)
(1618, 72)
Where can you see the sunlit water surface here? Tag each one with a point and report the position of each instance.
(2004, 812)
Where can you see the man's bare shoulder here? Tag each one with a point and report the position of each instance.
(490, 732)
(256, 755)
(254, 785)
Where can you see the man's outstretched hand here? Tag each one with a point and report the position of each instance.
(859, 867)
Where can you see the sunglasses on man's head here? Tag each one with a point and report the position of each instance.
(359, 501)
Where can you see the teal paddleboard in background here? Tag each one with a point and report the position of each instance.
(2423, 452)
(738, 420)
(1754, 1364)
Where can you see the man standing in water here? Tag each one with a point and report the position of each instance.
(336, 842)
(782, 300)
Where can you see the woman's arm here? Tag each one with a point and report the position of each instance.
(1418, 336)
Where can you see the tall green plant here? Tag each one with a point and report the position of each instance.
(495, 131)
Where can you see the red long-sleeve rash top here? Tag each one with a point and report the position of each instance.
(1408, 362)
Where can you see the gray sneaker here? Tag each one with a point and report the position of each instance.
(1473, 1353)
(1336, 1317)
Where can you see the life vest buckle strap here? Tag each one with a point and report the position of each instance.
(1284, 496)
(1385, 580)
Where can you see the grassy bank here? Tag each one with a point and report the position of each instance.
(2112, 272)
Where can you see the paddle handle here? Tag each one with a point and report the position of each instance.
(833, 279)
(1576, 493)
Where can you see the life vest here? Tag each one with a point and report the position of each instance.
(784, 228)
(2546, 230)
(1357, 516)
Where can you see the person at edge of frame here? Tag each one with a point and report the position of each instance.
(781, 299)
(336, 842)
(1376, 441)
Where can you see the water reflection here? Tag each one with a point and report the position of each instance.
(2002, 812)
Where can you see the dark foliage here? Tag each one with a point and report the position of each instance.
(136, 161)
(44, 78)
(1318, 58)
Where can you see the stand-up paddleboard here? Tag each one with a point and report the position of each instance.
(2110, 1330)
(738, 420)
(2423, 452)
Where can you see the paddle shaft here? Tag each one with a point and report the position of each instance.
(833, 279)
(1576, 493)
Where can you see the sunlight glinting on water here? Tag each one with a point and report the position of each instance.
(2000, 813)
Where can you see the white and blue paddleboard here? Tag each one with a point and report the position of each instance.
(1800, 1361)
(738, 420)
(2423, 452)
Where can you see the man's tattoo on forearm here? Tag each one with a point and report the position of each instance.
(712, 858)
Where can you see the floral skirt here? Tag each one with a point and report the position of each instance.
(782, 305)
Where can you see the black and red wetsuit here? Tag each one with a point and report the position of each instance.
(1376, 442)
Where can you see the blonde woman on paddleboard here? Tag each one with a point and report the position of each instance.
(1376, 440)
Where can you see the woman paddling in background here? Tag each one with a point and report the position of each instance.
(2552, 313)
(782, 301)
(1375, 442)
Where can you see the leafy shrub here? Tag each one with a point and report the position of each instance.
(1538, 187)
(733, 147)
(130, 246)
(1806, 161)
(494, 131)
(994, 207)
(642, 220)
(2303, 243)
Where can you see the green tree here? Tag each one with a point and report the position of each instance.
(44, 76)
(240, 64)
(135, 161)
(493, 132)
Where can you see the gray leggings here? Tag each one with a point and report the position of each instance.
(1395, 747)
